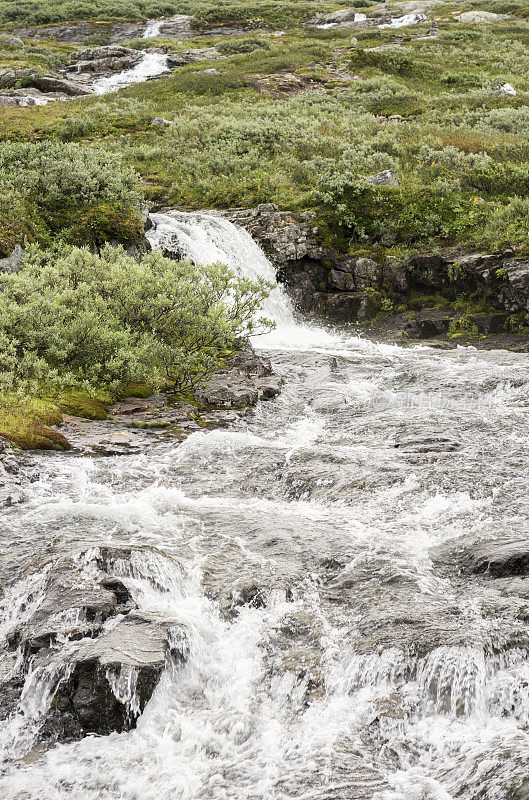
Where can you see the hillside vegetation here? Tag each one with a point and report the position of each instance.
(289, 113)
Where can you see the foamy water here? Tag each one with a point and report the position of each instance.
(374, 667)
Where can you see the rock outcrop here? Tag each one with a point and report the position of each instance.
(104, 60)
(350, 287)
(107, 655)
(244, 379)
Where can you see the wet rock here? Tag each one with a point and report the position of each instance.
(427, 325)
(427, 444)
(245, 379)
(13, 262)
(107, 655)
(349, 306)
(500, 559)
(12, 477)
(104, 60)
(112, 679)
(77, 602)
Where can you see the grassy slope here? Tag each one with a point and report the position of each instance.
(243, 135)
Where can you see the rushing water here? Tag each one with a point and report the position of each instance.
(151, 66)
(372, 667)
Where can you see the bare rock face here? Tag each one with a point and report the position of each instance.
(104, 60)
(47, 83)
(193, 56)
(245, 379)
(15, 472)
(107, 654)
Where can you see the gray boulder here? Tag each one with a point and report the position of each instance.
(47, 83)
(245, 379)
(385, 178)
(193, 56)
(107, 654)
(13, 262)
(112, 679)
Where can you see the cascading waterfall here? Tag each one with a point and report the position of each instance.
(153, 28)
(369, 665)
(151, 66)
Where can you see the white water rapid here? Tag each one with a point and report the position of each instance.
(369, 663)
(153, 28)
(151, 66)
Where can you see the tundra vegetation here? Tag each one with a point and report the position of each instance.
(295, 115)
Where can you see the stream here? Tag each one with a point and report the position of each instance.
(373, 666)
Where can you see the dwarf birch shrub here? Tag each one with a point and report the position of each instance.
(79, 320)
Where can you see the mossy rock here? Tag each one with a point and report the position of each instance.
(79, 405)
(31, 434)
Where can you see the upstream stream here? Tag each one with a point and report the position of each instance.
(373, 665)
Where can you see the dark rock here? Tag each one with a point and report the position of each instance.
(349, 306)
(341, 281)
(501, 559)
(112, 679)
(367, 272)
(427, 444)
(245, 379)
(395, 276)
(104, 681)
(427, 325)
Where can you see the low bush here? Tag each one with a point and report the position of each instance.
(79, 320)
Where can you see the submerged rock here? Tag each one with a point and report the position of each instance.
(500, 559)
(107, 655)
(11, 476)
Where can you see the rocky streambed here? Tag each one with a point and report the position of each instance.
(323, 598)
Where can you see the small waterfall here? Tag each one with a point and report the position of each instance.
(210, 239)
(407, 19)
(151, 65)
(153, 28)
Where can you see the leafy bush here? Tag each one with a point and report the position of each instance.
(52, 187)
(76, 319)
(55, 175)
(247, 45)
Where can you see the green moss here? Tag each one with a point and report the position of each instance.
(79, 405)
(135, 390)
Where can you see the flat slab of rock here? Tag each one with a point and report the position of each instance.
(47, 83)
(245, 379)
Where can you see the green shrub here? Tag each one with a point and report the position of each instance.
(79, 320)
(87, 194)
(246, 45)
